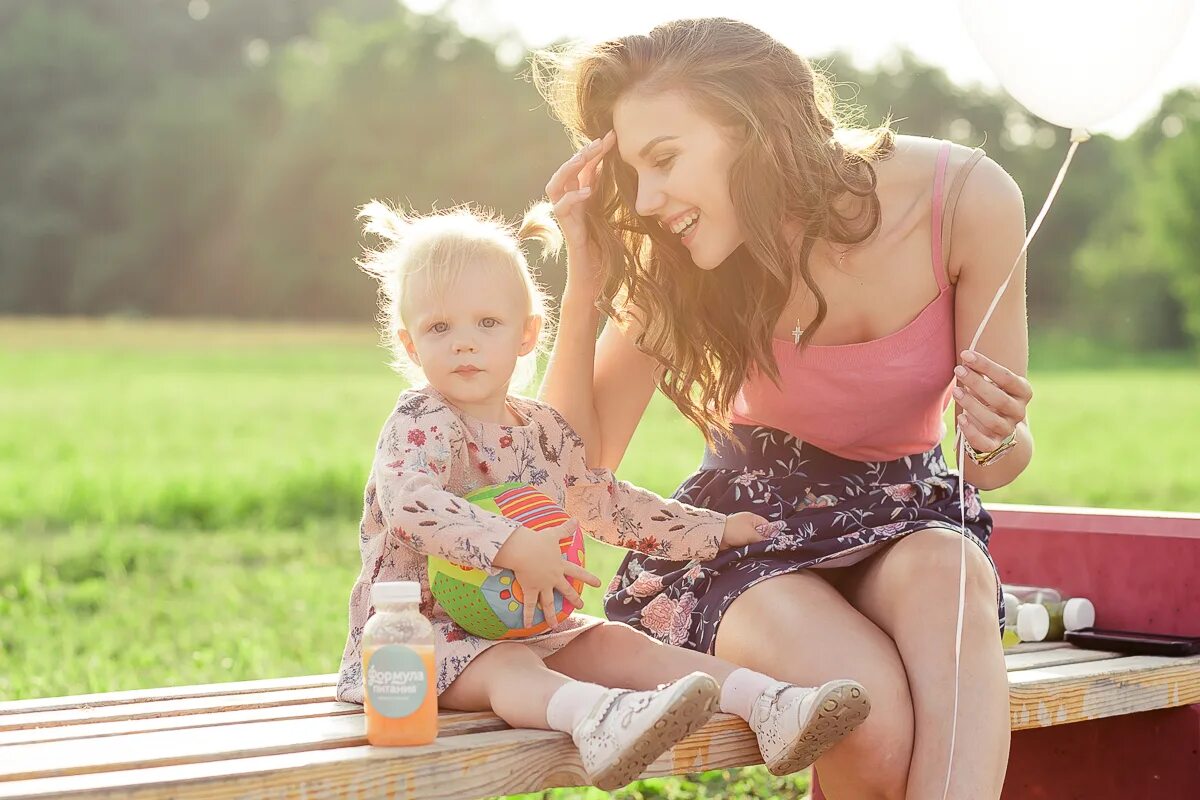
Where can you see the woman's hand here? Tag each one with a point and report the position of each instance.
(539, 567)
(744, 528)
(571, 185)
(992, 401)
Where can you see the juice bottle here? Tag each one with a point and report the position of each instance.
(1024, 622)
(1066, 614)
(399, 674)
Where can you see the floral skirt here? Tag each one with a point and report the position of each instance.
(827, 511)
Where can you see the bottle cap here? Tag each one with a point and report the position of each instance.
(1033, 622)
(1011, 604)
(1078, 612)
(389, 592)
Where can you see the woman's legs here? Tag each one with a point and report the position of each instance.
(910, 590)
(797, 628)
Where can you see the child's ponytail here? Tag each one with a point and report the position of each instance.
(391, 225)
(539, 225)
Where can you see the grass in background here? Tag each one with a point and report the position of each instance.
(181, 499)
(178, 426)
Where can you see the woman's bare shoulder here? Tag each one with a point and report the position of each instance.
(907, 177)
(913, 161)
(991, 210)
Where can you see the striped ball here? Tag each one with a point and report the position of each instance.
(492, 606)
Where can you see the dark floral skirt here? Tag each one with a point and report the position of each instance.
(828, 512)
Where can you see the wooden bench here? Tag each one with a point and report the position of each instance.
(288, 738)
(1142, 569)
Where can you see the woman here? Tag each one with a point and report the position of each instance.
(790, 285)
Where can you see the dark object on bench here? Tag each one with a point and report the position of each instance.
(1134, 643)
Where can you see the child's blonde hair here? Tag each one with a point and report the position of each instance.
(435, 249)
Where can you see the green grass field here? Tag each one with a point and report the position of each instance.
(181, 500)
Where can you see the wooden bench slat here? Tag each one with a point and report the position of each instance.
(29, 735)
(451, 769)
(166, 708)
(450, 722)
(1082, 691)
(1037, 647)
(1036, 659)
(167, 693)
(210, 743)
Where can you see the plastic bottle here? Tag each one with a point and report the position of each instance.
(1066, 614)
(399, 672)
(1024, 622)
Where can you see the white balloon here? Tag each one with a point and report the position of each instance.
(1076, 63)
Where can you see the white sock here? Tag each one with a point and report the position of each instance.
(741, 689)
(571, 703)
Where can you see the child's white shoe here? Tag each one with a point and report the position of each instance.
(795, 726)
(627, 730)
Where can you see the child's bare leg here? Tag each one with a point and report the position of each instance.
(794, 725)
(618, 733)
(509, 680)
(622, 657)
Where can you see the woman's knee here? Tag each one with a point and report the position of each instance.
(934, 556)
(797, 601)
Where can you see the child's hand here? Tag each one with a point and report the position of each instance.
(744, 528)
(571, 185)
(538, 565)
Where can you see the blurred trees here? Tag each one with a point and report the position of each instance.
(196, 158)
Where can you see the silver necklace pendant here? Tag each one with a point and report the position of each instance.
(797, 332)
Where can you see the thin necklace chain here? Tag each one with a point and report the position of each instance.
(798, 331)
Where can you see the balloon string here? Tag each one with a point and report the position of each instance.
(1033, 229)
(1077, 136)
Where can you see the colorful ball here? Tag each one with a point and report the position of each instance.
(492, 606)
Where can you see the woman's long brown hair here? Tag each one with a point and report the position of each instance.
(710, 328)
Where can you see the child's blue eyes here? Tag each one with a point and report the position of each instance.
(441, 327)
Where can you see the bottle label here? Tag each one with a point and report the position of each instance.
(397, 680)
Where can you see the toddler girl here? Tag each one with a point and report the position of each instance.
(465, 317)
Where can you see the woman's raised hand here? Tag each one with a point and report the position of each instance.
(571, 185)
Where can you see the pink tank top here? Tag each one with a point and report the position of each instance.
(878, 400)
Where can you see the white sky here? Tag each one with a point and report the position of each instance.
(932, 29)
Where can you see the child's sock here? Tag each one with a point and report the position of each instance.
(571, 703)
(741, 689)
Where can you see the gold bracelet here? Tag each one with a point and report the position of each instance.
(991, 456)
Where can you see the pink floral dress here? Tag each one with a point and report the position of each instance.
(430, 455)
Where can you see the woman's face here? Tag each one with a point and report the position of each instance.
(682, 160)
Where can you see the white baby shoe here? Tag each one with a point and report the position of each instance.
(795, 726)
(627, 730)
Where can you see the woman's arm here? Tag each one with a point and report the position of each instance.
(601, 390)
(568, 382)
(600, 387)
(989, 231)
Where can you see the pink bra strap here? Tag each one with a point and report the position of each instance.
(950, 200)
(939, 183)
